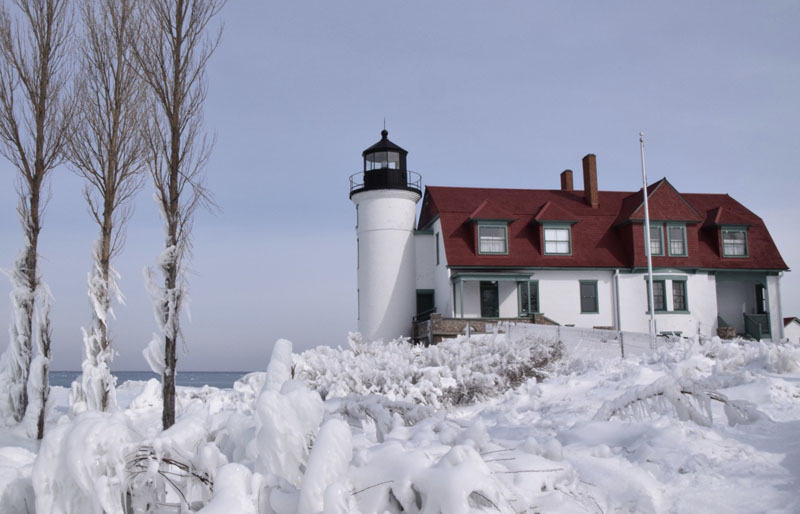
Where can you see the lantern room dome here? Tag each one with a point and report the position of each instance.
(384, 168)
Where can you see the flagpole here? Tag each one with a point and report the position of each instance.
(647, 249)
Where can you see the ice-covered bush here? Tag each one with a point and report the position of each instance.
(453, 372)
(81, 465)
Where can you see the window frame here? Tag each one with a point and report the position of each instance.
(592, 283)
(437, 247)
(663, 283)
(685, 295)
(556, 226)
(660, 229)
(669, 306)
(734, 228)
(528, 285)
(491, 224)
(681, 226)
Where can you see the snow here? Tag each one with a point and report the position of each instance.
(493, 423)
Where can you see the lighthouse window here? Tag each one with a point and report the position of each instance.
(492, 239)
(379, 160)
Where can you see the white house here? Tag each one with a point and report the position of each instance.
(557, 256)
(791, 329)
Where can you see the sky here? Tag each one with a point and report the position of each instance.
(483, 94)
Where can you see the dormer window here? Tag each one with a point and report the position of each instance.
(676, 240)
(493, 238)
(656, 240)
(557, 239)
(734, 242)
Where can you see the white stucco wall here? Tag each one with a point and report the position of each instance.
(386, 262)
(443, 292)
(425, 260)
(701, 296)
(559, 297)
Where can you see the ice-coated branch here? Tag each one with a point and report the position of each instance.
(16, 360)
(687, 400)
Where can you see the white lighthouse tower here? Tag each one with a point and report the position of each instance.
(386, 196)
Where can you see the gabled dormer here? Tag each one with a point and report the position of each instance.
(730, 229)
(665, 203)
(670, 214)
(556, 229)
(490, 222)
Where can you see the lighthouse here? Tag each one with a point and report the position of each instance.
(385, 194)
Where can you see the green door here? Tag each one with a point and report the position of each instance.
(490, 300)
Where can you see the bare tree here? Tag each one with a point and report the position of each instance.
(172, 57)
(107, 148)
(35, 112)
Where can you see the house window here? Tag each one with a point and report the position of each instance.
(528, 297)
(557, 241)
(734, 242)
(678, 295)
(588, 296)
(676, 235)
(656, 240)
(659, 296)
(492, 239)
(678, 292)
(437, 248)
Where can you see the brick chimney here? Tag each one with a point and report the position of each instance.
(590, 180)
(566, 180)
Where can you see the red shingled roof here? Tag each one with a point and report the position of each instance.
(788, 320)
(602, 237)
(489, 211)
(553, 212)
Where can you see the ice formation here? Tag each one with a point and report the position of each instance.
(586, 433)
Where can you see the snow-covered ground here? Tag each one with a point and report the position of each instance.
(497, 423)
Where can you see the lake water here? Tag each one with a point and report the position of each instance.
(221, 379)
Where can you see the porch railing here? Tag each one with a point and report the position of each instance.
(757, 326)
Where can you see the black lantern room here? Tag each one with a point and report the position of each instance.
(384, 168)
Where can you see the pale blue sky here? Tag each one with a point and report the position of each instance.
(490, 94)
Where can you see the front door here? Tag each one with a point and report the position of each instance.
(490, 300)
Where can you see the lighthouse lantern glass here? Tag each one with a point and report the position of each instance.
(379, 160)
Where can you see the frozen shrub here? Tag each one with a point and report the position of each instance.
(456, 371)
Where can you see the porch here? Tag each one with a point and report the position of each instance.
(432, 328)
(744, 302)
